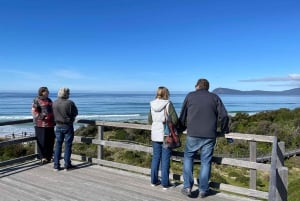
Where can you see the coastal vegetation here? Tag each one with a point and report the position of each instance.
(283, 123)
(15, 151)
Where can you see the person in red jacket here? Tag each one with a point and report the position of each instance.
(43, 120)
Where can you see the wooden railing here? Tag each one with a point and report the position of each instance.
(278, 174)
(18, 141)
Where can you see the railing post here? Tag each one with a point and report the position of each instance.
(282, 174)
(100, 147)
(252, 181)
(35, 147)
(280, 154)
(273, 172)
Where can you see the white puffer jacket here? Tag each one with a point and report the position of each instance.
(158, 117)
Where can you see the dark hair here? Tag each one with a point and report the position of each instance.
(42, 90)
(202, 84)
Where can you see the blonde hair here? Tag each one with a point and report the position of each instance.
(63, 93)
(162, 93)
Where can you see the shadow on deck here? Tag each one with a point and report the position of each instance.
(32, 182)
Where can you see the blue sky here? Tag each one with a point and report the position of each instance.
(138, 45)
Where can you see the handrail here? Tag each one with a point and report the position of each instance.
(278, 173)
(22, 121)
(252, 165)
(18, 140)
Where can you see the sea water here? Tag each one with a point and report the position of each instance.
(128, 106)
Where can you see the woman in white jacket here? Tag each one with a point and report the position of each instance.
(159, 107)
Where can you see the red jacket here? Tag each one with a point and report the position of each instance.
(42, 112)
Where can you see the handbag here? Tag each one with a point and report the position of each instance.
(172, 139)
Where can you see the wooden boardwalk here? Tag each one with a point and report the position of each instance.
(33, 182)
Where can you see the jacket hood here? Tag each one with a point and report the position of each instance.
(158, 105)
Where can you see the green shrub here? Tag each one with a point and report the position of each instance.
(217, 177)
(234, 174)
(293, 190)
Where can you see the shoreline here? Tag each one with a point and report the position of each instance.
(28, 128)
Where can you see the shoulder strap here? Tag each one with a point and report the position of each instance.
(167, 110)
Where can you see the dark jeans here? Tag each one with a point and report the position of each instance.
(45, 142)
(63, 133)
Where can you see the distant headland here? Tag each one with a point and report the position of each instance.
(295, 91)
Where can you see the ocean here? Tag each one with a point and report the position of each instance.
(128, 106)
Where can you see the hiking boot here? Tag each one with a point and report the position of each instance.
(186, 192)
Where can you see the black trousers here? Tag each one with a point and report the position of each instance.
(45, 141)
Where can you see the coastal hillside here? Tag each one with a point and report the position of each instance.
(295, 91)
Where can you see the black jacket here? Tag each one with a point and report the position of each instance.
(201, 112)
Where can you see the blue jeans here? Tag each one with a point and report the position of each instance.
(160, 155)
(206, 147)
(63, 133)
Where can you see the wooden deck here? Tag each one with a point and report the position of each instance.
(32, 182)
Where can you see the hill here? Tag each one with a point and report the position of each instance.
(295, 91)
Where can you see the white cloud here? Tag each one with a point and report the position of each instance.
(290, 77)
(295, 76)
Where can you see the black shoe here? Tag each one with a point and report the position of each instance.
(57, 169)
(70, 167)
(186, 192)
(44, 161)
(168, 186)
(204, 194)
(49, 160)
(157, 184)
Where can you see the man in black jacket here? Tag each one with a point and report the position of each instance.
(200, 114)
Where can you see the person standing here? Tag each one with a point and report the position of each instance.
(65, 112)
(200, 114)
(161, 155)
(43, 121)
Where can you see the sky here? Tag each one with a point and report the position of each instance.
(139, 45)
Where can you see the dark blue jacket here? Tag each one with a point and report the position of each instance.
(201, 111)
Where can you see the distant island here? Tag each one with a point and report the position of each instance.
(295, 91)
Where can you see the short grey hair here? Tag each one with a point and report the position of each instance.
(63, 92)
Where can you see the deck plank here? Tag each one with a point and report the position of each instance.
(33, 182)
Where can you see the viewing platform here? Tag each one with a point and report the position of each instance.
(32, 182)
(97, 179)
